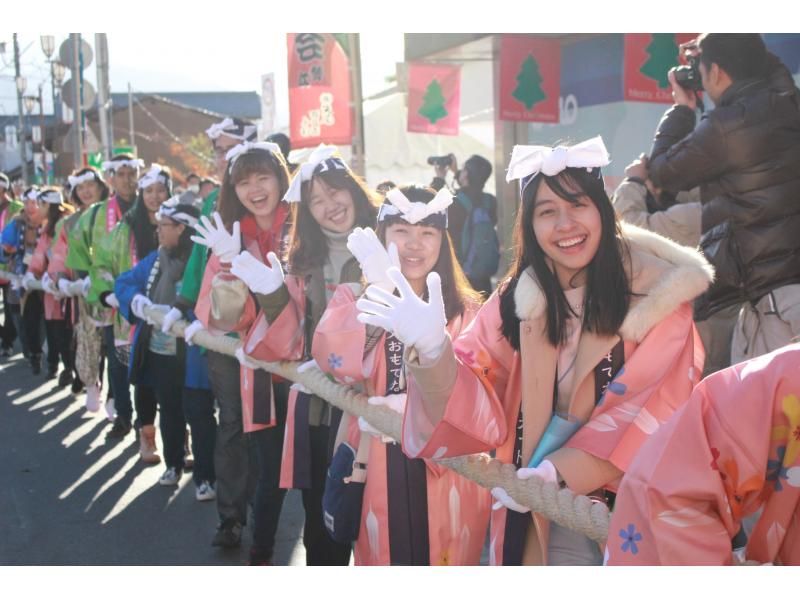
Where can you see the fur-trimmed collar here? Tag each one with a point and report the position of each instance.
(665, 275)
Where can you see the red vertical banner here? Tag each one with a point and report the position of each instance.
(434, 98)
(319, 91)
(530, 79)
(648, 59)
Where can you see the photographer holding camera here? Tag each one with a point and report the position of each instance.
(744, 155)
(472, 218)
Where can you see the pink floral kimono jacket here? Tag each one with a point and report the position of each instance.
(453, 510)
(482, 395)
(40, 262)
(732, 450)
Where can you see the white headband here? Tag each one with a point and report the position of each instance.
(74, 181)
(324, 155)
(153, 176)
(236, 151)
(414, 212)
(529, 160)
(231, 129)
(50, 196)
(168, 209)
(113, 165)
(31, 195)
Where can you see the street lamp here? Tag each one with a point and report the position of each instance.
(22, 83)
(48, 45)
(29, 102)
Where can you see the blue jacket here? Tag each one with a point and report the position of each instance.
(126, 287)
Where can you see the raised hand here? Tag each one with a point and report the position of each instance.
(374, 258)
(224, 245)
(258, 277)
(416, 323)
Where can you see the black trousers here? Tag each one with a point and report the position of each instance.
(59, 343)
(33, 320)
(8, 331)
(198, 409)
(168, 389)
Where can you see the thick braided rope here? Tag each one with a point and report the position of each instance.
(576, 512)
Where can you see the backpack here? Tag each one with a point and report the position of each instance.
(480, 247)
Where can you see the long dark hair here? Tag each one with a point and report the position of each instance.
(56, 212)
(309, 247)
(456, 290)
(143, 231)
(256, 161)
(608, 290)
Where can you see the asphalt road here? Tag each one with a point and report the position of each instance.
(68, 498)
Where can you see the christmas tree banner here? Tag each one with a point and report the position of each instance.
(648, 59)
(319, 91)
(434, 98)
(530, 79)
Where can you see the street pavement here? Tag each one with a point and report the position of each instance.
(68, 498)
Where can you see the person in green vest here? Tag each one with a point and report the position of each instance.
(93, 227)
(130, 241)
(9, 207)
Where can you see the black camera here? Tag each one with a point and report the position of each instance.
(443, 161)
(688, 76)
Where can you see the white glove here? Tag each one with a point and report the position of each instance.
(416, 323)
(307, 365)
(258, 277)
(365, 427)
(27, 280)
(111, 299)
(374, 258)
(172, 316)
(224, 245)
(396, 402)
(241, 357)
(16, 283)
(504, 500)
(191, 330)
(138, 303)
(76, 288)
(64, 286)
(49, 286)
(86, 284)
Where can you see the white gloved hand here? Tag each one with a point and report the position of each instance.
(27, 280)
(258, 277)
(414, 322)
(545, 470)
(396, 402)
(86, 284)
(374, 258)
(365, 427)
(224, 245)
(158, 307)
(172, 316)
(16, 283)
(138, 303)
(504, 500)
(191, 330)
(49, 286)
(241, 357)
(64, 286)
(111, 299)
(307, 365)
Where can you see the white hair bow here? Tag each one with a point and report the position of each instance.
(74, 181)
(153, 176)
(528, 160)
(245, 147)
(306, 171)
(113, 165)
(414, 212)
(218, 129)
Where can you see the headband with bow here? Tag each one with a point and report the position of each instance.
(50, 196)
(113, 165)
(74, 181)
(231, 128)
(433, 213)
(155, 175)
(529, 160)
(321, 159)
(31, 194)
(248, 146)
(177, 211)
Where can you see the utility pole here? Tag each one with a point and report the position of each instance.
(101, 49)
(21, 125)
(77, 77)
(358, 159)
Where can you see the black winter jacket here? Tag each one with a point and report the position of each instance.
(745, 156)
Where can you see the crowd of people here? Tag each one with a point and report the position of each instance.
(592, 363)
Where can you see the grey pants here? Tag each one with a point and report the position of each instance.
(236, 469)
(773, 322)
(567, 547)
(717, 333)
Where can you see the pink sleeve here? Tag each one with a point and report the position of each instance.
(655, 381)
(474, 385)
(713, 464)
(38, 265)
(57, 264)
(203, 308)
(340, 338)
(283, 339)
